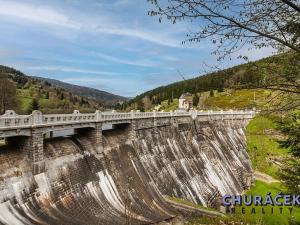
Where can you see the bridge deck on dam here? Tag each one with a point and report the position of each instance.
(12, 124)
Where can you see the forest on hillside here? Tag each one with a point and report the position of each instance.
(24, 94)
(265, 74)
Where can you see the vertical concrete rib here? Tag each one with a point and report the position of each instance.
(98, 138)
(35, 150)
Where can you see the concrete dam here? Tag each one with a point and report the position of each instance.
(120, 174)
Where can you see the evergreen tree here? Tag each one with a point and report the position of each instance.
(195, 100)
(290, 172)
(34, 105)
(211, 93)
(220, 89)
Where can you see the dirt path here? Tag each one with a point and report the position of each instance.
(264, 177)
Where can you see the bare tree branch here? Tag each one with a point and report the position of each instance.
(291, 4)
(258, 23)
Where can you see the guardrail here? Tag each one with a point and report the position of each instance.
(12, 120)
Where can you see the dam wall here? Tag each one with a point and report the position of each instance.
(197, 159)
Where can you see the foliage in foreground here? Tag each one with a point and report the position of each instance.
(290, 172)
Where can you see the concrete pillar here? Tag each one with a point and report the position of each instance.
(133, 129)
(174, 122)
(154, 119)
(34, 146)
(98, 137)
(94, 135)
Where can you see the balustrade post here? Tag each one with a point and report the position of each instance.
(132, 114)
(154, 118)
(98, 115)
(133, 125)
(193, 114)
(37, 118)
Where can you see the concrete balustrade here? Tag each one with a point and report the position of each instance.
(12, 120)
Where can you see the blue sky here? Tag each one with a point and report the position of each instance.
(111, 45)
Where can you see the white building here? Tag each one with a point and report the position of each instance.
(186, 101)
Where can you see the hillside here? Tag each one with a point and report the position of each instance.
(229, 88)
(28, 93)
(104, 97)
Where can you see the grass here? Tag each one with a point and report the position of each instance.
(235, 99)
(170, 107)
(228, 99)
(261, 188)
(185, 202)
(248, 217)
(24, 99)
(262, 146)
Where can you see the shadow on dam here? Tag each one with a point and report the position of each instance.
(128, 182)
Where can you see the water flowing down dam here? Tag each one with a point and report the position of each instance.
(120, 175)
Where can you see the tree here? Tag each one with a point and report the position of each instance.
(195, 100)
(34, 105)
(47, 95)
(234, 24)
(211, 93)
(7, 93)
(291, 126)
(147, 103)
(290, 173)
(220, 89)
(140, 106)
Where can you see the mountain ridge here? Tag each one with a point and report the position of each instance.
(93, 93)
(30, 93)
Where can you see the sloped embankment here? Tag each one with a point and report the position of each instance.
(196, 161)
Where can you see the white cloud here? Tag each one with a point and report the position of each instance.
(83, 23)
(156, 37)
(133, 62)
(35, 13)
(70, 69)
